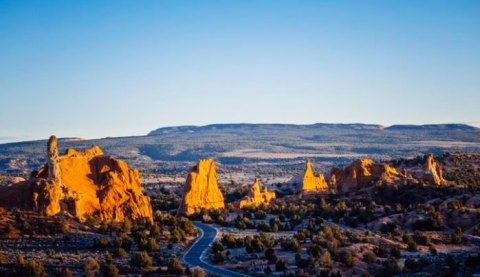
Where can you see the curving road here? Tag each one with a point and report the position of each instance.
(193, 256)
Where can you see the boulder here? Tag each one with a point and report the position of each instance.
(201, 189)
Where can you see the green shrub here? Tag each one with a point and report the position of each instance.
(100, 243)
(110, 270)
(141, 260)
(91, 266)
(369, 257)
(325, 259)
(175, 266)
(120, 253)
(347, 258)
(33, 268)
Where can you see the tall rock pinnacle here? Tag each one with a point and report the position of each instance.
(52, 163)
(201, 189)
(312, 183)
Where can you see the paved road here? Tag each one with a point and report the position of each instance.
(193, 255)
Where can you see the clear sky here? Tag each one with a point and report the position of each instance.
(117, 68)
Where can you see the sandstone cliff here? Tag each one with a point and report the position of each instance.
(312, 183)
(361, 174)
(201, 189)
(256, 197)
(81, 184)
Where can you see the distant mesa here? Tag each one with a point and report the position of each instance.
(280, 127)
(256, 197)
(81, 184)
(312, 183)
(257, 126)
(201, 189)
(362, 173)
(431, 127)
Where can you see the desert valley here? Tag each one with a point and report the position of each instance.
(309, 213)
(327, 138)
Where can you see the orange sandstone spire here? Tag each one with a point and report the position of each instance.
(433, 171)
(201, 189)
(255, 197)
(312, 183)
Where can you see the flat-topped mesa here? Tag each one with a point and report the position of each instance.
(362, 173)
(312, 183)
(92, 184)
(201, 189)
(255, 197)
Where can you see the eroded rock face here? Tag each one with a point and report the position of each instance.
(201, 189)
(256, 197)
(81, 184)
(428, 171)
(362, 173)
(433, 171)
(312, 183)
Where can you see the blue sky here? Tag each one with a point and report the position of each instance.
(117, 68)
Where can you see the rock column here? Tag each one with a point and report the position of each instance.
(53, 164)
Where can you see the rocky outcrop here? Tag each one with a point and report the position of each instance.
(310, 182)
(201, 189)
(255, 197)
(361, 174)
(429, 171)
(81, 184)
(433, 171)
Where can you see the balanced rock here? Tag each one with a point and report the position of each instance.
(312, 183)
(362, 173)
(201, 189)
(255, 197)
(81, 184)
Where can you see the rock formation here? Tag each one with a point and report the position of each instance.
(81, 184)
(52, 163)
(361, 174)
(429, 172)
(312, 183)
(201, 189)
(256, 197)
